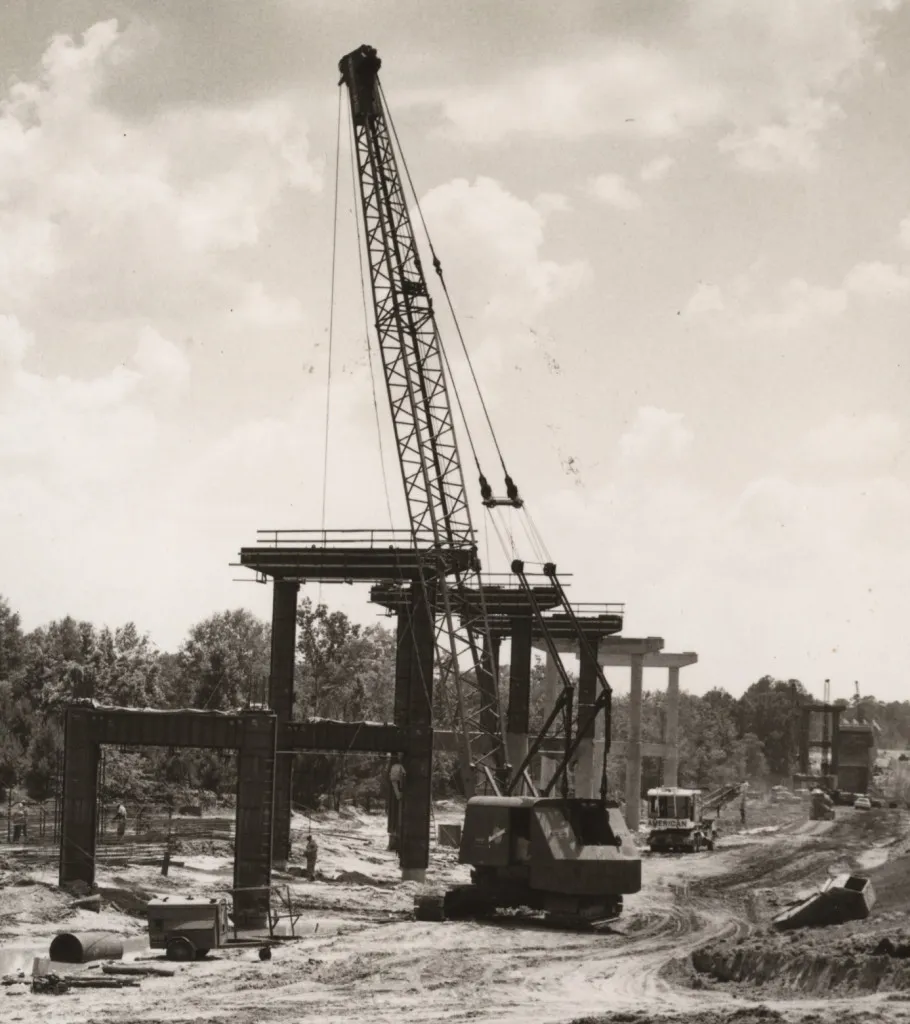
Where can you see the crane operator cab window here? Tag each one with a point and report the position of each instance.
(591, 824)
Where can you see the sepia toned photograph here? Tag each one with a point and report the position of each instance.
(455, 500)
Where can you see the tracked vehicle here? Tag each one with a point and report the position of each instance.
(571, 858)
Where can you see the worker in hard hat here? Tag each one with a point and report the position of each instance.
(311, 852)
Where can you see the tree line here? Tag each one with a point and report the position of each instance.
(344, 671)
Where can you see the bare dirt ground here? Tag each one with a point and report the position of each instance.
(361, 956)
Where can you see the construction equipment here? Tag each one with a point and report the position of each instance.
(842, 898)
(684, 820)
(187, 928)
(418, 382)
(566, 858)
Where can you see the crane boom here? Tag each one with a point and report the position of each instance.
(418, 393)
(414, 368)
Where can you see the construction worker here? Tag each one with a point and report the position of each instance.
(120, 820)
(311, 852)
(20, 821)
(396, 791)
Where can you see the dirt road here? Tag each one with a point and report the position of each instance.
(362, 959)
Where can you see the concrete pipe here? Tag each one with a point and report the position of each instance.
(81, 947)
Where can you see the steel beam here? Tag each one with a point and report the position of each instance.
(281, 701)
(587, 694)
(129, 727)
(415, 815)
(369, 565)
(633, 749)
(342, 737)
(80, 810)
(255, 809)
(519, 690)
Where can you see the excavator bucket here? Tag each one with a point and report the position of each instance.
(844, 898)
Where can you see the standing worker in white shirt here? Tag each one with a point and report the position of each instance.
(397, 776)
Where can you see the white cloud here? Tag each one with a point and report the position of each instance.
(657, 168)
(861, 441)
(655, 437)
(98, 213)
(552, 202)
(15, 341)
(259, 308)
(877, 279)
(707, 298)
(770, 76)
(613, 190)
(623, 88)
(904, 232)
(784, 145)
(494, 242)
(800, 305)
(161, 361)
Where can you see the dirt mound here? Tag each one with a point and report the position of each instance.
(743, 1015)
(811, 964)
(891, 882)
(26, 901)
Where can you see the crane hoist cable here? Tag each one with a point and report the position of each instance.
(511, 489)
(328, 389)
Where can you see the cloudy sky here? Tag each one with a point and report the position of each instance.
(677, 236)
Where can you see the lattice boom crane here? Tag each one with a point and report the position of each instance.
(418, 392)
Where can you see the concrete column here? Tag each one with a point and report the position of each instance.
(519, 692)
(633, 751)
(80, 791)
(551, 687)
(255, 816)
(414, 855)
(671, 729)
(281, 701)
(585, 775)
(835, 743)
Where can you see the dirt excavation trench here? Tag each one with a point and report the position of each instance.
(694, 945)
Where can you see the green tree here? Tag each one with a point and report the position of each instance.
(43, 758)
(12, 642)
(347, 672)
(223, 664)
(770, 710)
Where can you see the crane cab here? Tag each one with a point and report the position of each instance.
(570, 847)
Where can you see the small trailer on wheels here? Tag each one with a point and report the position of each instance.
(187, 927)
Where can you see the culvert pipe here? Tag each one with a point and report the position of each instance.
(81, 947)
